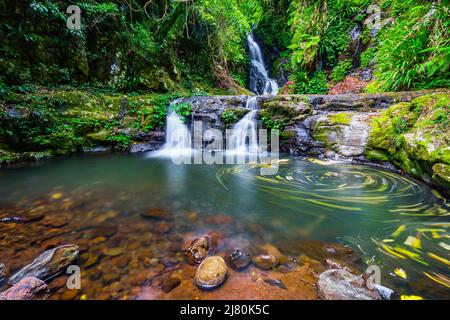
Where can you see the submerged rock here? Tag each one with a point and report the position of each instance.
(272, 250)
(211, 273)
(29, 288)
(265, 261)
(339, 284)
(240, 258)
(112, 252)
(155, 213)
(12, 218)
(48, 263)
(197, 249)
(169, 283)
(3, 272)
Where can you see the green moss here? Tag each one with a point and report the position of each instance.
(377, 155)
(414, 136)
(325, 134)
(441, 174)
(101, 136)
(341, 118)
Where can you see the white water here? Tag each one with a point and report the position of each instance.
(178, 137)
(244, 137)
(260, 83)
(245, 130)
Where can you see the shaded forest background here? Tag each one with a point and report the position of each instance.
(199, 46)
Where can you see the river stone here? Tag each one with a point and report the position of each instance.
(29, 288)
(211, 273)
(197, 249)
(48, 263)
(339, 284)
(156, 214)
(272, 250)
(265, 261)
(112, 252)
(3, 272)
(240, 258)
(168, 283)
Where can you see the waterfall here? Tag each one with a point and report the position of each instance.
(260, 83)
(246, 128)
(244, 136)
(178, 136)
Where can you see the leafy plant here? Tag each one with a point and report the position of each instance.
(184, 110)
(367, 57)
(341, 70)
(317, 84)
(269, 123)
(229, 117)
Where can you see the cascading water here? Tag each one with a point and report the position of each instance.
(178, 136)
(260, 83)
(244, 134)
(246, 128)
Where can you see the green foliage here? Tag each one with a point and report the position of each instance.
(270, 123)
(341, 70)
(367, 57)
(120, 141)
(415, 50)
(317, 84)
(184, 110)
(229, 117)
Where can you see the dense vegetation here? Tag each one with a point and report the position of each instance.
(198, 46)
(404, 43)
(64, 90)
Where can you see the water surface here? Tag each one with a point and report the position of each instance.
(389, 220)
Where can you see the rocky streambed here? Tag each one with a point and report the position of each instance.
(152, 256)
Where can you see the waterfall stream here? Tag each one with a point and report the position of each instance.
(178, 135)
(244, 136)
(260, 83)
(246, 128)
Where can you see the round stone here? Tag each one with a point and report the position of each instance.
(211, 273)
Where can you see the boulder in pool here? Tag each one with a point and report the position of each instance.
(211, 273)
(340, 284)
(197, 249)
(48, 264)
(29, 288)
(3, 272)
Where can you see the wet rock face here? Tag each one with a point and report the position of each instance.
(343, 135)
(29, 288)
(340, 284)
(211, 273)
(197, 250)
(47, 264)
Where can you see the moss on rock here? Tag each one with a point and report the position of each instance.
(415, 137)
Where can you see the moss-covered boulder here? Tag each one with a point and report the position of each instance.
(415, 136)
(441, 175)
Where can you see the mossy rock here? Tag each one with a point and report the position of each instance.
(414, 136)
(376, 155)
(340, 118)
(100, 137)
(441, 175)
(327, 135)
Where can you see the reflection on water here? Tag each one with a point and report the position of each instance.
(392, 221)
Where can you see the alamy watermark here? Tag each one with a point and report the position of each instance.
(74, 20)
